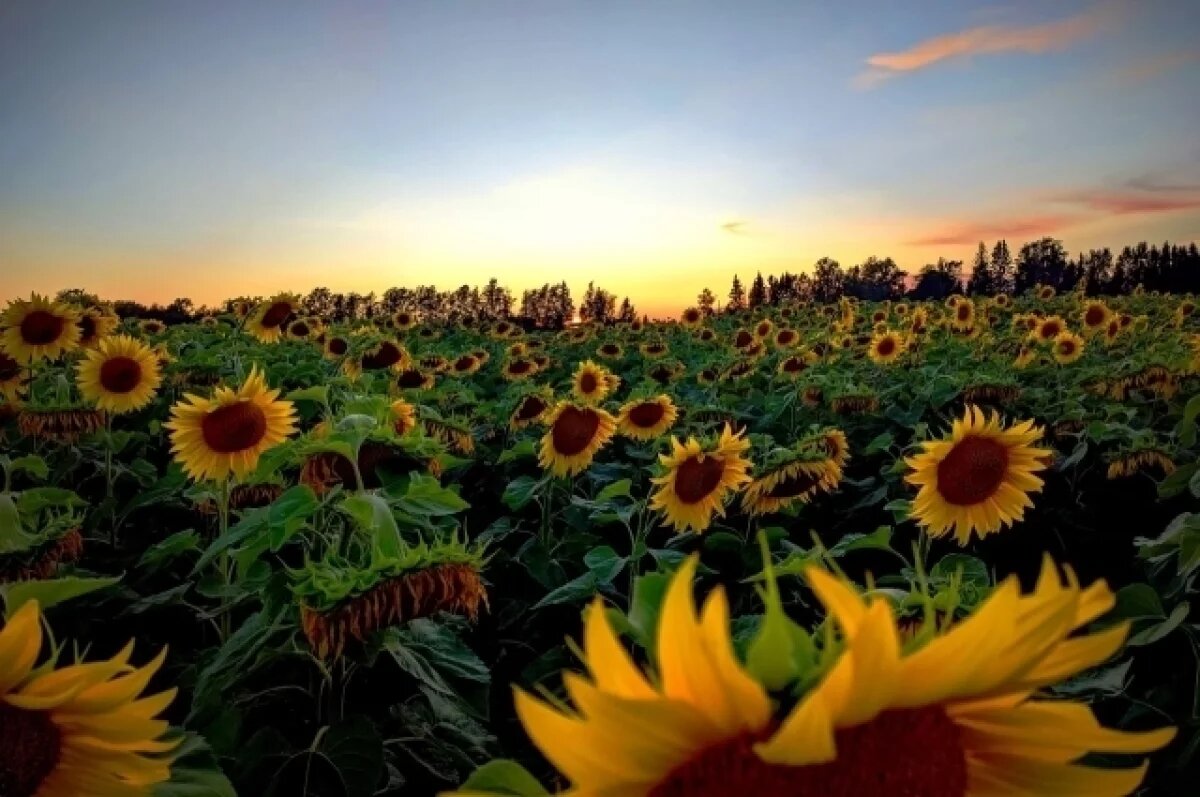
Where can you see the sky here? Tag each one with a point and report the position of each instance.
(150, 149)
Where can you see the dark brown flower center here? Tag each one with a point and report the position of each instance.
(1050, 329)
(905, 753)
(41, 327)
(697, 477)
(743, 338)
(87, 328)
(588, 383)
(519, 367)
(886, 347)
(276, 314)
(234, 427)
(763, 329)
(647, 414)
(785, 337)
(411, 378)
(610, 349)
(963, 311)
(9, 368)
(1066, 348)
(120, 374)
(972, 471)
(300, 329)
(532, 407)
(387, 355)
(464, 363)
(337, 346)
(794, 365)
(574, 430)
(1094, 316)
(403, 319)
(30, 746)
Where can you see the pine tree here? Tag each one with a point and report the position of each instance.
(981, 282)
(758, 292)
(737, 295)
(1002, 268)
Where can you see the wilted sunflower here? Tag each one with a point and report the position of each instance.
(610, 351)
(1140, 460)
(1095, 317)
(691, 317)
(885, 348)
(387, 355)
(793, 479)
(951, 716)
(94, 325)
(1068, 347)
(1048, 329)
(37, 328)
(978, 479)
(854, 403)
(80, 729)
(699, 478)
(119, 375)
(404, 417)
(335, 346)
(576, 432)
(519, 369)
(648, 418)
(214, 437)
(269, 320)
(531, 408)
(592, 383)
(464, 365)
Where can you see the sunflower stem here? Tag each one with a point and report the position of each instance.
(225, 564)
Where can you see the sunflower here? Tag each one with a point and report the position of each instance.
(37, 327)
(482, 355)
(691, 317)
(435, 363)
(576, 432)
(705, 335)
(963, 317)
(885, 348)
(699, 478)
(1046, 292)
(1095, 317)
(530, 409)
(763, 329)
(464, 365)
(270, 318)
(95, 325)
(978, 479)
(519, 369)
(646, 419)
(1048, 329)
(835, 445)
(502, 329)
(300, 329)
(592, 383)
(709, 376)
(786, 337)
(214, 437)
(403, 320)
(12, 381)
(335, 346)
(654, 348)
(951, 713)
(1068, 347)
(742, 338)
(414, 379)
(387, 355)
(119, 375)
(152, 326)
(1132, 462)
(610, 351)
(1025, 356)
(79, 729)
(795, 480)
(794, 365)
(404, 417)
(240, 309)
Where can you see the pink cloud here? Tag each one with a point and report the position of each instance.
(1123, 203)
(952, 233)
(986, 40)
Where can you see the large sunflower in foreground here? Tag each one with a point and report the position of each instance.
(699, 478)
(81, 729)
(647, 418)
(592, 383)
(214, 437)
(948, 716)
(978, 479)
(269, 320)
(37, 328)
(119, 375)
(575, 433)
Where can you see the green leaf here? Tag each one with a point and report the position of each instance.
(36, 499)
(195, 773)
(373, 514)
(1186, 429)
(12, 536)
(648, 593)
(522, 450)
(878, 540)
(1160, 630)
(355, 749)
(50, 593)
(33, 465)
(519, 491)
(318, 393)
(1138, 601)
(164, 552)
(426, 496)
(604, 562)
(619, 488)
(289, 513)
(506, 778)
(434, 655)
(575, 590)
(880, 443)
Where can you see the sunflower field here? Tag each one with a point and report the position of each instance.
(925, 549)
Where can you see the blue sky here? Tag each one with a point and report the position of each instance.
(153, 149)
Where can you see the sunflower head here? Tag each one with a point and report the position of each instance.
(786, 337)
(575, 432)
(885, 347)
(962, 314)
(691, 317)
(648, 417)
(270, 319)
(404, 320)
(519, 369)
(414, 379)
(1095, 316)
(654, 348)
(791, 476)
(1067, 347)
(464, 365)
(119, 375)
(38, 328)
(698, 478)
(978, 478)
(1048, 329)
(592, 383)
(530, 408)
(94, 325)
(1046, 292)
(335, 346)
(227, 433)
(610, 351)
(403, 417)
(301, 329)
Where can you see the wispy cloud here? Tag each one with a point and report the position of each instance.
(735, 227)
(955, 233)
(1144, 69)
(1124, 203)
(988, 40)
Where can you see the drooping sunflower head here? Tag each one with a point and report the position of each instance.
(886, 347)
(414, 379)
(691, 317)
(1067, 347)
(12, 378)
(403, 417)
(386, 355)
(151, 327)
(269, 320)
(1046, 292)
(1140, 459)
(1025, 356)
(95, 324)
(647, 418)
(976, 480)
(119, 375)
(227, 433)
(38, 328)
(698, 479)
(792, 366)
(791, 476)
(301, 329)
(77, 729)
(575, 433)
(592, 383)
(530, 408)
(434, 363)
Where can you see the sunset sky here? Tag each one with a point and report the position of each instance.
(154, 149)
